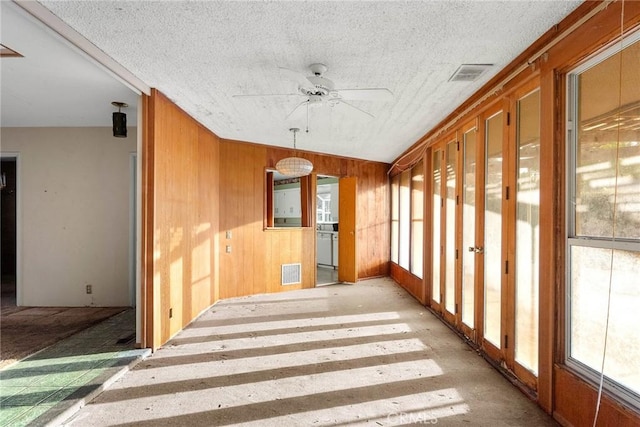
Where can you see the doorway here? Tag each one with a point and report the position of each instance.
(327, 230)
(8, 205)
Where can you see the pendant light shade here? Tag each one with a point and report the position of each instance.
(294, 166)
(119, 125)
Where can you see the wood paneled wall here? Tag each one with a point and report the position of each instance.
(203, 209)
(576, 405)
(412, 284)
(570, 398)
(373, 201)
(180, 215)
(253, 264)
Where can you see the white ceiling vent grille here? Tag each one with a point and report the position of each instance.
(291, 274)
(469, 72)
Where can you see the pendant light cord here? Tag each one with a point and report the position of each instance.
(294, 130)
(614, 218)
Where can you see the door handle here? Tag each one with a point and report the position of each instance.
(477, 249)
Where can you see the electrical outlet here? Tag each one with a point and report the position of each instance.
(228, 234)
(228, 249)
(89, 289)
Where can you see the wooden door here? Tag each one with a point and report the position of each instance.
(347, 238)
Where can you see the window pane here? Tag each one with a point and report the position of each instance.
(417, 210)
(605, 205)
(590, 274)
(493, 230)
(405, 219)
(450, 272)
(395, 205)
(469, 228)
(435, 213)
(609, 128)
(527, 231)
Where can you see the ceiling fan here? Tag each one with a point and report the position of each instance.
(319, 90)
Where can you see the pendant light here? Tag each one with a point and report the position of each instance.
(119, 120)
(294, 166)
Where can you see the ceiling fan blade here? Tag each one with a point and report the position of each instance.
(297, 106)
(266, 94)
(371, 94)
(341, 101)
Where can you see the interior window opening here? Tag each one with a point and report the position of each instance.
(287, 201)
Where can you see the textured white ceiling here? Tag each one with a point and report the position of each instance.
(53, 84)
(201, 53)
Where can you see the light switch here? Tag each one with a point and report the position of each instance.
(228, 234)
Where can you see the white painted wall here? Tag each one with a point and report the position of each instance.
(74, 213)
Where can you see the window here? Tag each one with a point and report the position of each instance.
(603, 242)
(327, 191)
(405, 218)
(417, 210)
(407, 207)
(395, 217)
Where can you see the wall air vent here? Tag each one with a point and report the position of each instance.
(291, 274)
(469, 72)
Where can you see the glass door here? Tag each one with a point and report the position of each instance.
(436, 231)
(469, 249)
(449, 216)
(494, 126)
(525, 278)
(510, 231)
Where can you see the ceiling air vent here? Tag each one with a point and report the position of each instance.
(469, 72)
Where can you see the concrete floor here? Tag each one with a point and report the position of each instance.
(365, 354)
(326, 276)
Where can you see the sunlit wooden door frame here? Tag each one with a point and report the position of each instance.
(511, 159)
(495, 353)
(440, 151)
(466, 329)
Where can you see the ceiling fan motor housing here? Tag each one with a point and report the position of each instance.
(321, 86)
(318, 69)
